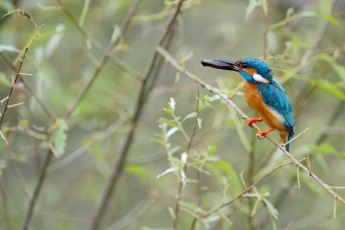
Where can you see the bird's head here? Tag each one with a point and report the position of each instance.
(252, 70)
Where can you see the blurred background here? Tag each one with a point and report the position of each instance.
(103, 133)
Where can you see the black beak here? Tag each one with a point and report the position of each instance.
(221, 64)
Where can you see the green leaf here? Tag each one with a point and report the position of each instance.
(191, 206)
(251, 7)
(272, 210)
(330, 19)
(199, 120)
(330, 88)
(4, 81)
(171, 131)
(59, 137)
(8, 48)
(188, 116)
(339, 69)
(212, 150)
(24, 123)
(231, 173)
(6, 5)
(139, 171)
(169, 170)
(325, 149)
(172, 104)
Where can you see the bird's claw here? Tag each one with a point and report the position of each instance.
(260, 136)
(253, 120)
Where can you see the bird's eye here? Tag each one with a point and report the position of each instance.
(240, 64)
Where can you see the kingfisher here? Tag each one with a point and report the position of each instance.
(263, 94)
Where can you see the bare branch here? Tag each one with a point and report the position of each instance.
(146, 87)
(212, 89)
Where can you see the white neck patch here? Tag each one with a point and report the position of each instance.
(259, 78)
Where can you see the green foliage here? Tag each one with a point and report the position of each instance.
(58, 137)
(202, 168)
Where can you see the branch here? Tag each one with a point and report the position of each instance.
(37, 191)
(247, 189)
(185, 169)
(225, 98)
(146, 87)
(21, 60)
(107, 54)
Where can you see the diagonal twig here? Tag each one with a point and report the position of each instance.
(225, 98)
(146, 87)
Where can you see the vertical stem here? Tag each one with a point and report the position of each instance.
(146, 87)
(251, 172)
(6, 218)
(37, 191)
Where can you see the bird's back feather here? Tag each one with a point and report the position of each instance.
(275, 97)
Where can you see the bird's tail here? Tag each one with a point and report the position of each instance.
(287, 147)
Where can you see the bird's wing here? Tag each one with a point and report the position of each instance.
(275, 97)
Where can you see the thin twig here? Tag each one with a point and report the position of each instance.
(336, 55)
(106, 54)
(212, 89)
(45, 108)
(251, 173)
(146, 87)
(185, 169)
(37, 191)
(2, 115)
(247, 189)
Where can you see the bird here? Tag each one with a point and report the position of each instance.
(263, 94)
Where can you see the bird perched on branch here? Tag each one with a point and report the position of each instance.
(263, 94)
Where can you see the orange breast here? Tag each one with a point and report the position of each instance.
(254, 100)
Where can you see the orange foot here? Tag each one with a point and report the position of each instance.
(254, 120)
(263, 133)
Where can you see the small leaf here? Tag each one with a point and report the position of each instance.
(171, 131)
(191, 115)
(169, 170)
(251, 7)
(325, 149)
(331, 89)
(231, 173)
(199, 120)
(212, 150)
(214, 97)
(330, 19)
(191, 206)
(272, 210)
(184, 158)
(173, 150)
(9, 48)
(24, 123)
(4, 81)
(172, 104)
(59, 136)
(139, 171)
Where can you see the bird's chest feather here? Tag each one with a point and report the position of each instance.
(254, 100)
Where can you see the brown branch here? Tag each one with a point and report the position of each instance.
(247, 189)
(37, 191)
(2, 115)
(224, 97)
(146, 87)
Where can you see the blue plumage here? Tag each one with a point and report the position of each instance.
(275, 97)
(263, 94)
